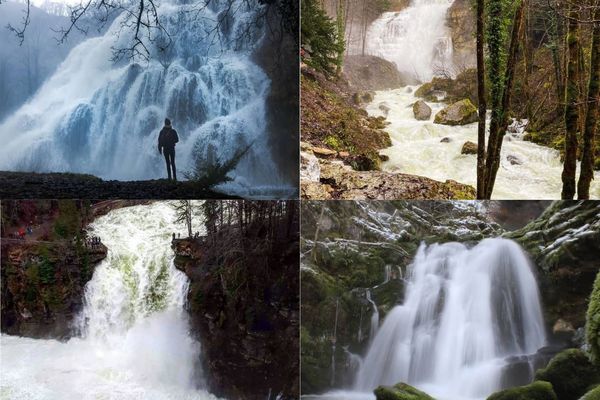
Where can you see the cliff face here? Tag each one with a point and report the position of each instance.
(461, 20)
(43, 284)
(243, 306)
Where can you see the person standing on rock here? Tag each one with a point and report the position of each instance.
(166, 146)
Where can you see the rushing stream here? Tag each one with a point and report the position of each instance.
(135, 341)
(418, 41)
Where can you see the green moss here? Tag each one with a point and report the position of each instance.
(571, 373)
(592, 332)
(333, 142)
(593, 394)
(400, 391)
(534, 391)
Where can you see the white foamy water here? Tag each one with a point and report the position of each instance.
(527, 170)
(103, 118)
(135, 341)
(465, 311)
(416, 39)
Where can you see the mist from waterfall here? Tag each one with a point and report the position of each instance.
(102, 117)
(465, 311)
(416, 39)
(135, 341)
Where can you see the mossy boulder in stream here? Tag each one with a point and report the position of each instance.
(592, 333)
(400, 391)
(535, 391)
(571, 374)
(593, 394)
(460, 113)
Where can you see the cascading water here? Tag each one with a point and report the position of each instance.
(135, 341)
(103, 118)
(416, 39)
(374, 316)
(465, 312)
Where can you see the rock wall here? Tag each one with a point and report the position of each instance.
(243, 307)
(461, 20)
(42, 286)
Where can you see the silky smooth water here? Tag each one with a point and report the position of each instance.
(416, 39)
(466, 310)
(135, 341)
(103, 118)
(527, 170)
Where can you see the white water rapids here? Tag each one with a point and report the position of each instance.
(135, 341)
(103, 118)
(418, 41)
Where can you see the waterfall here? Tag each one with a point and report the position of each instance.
(466, 310)
(135, 340)
(416, 39)
(374, 316)
(388, 273)
(101, 117)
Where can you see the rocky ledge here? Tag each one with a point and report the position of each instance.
(326, 176)
(30, 185)
(43, 285)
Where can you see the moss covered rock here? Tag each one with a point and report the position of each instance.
(460, 113)
(534, 391)
(592, 333)
(593, 394)
(571, 374)
(400, 391)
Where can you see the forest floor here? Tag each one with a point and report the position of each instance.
(30, 185)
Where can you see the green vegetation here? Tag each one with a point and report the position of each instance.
(400, 391)
(592, 332)
(321, 38)
(535, 391)
(571, 374)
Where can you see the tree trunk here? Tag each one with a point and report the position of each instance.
(499, 122)
(571, 109)
(482, 100)
(591, 120)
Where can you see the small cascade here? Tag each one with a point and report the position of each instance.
(359, 336)
(374, 317)
(388, 273)
(466, 312)
(416, 39)
(334, 342)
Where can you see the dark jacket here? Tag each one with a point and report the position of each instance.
(167, 138)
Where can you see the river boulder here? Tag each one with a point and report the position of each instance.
(460, 113)
(536, 390)
(400, 391)
(422, 111)
(571, 374)
(469, 148)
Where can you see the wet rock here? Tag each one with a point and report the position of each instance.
(421, 111)
(536, 390)
(385, 108)
(384, 157)
(400, 391)
(459, 113)
(371, 73)
(513, 160)
(469, 148)
(571, 373)
(446, 140)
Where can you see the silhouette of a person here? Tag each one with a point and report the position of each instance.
(166, 146)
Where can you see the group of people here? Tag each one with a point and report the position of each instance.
(178, 236)
(22, 232)
(93, 242)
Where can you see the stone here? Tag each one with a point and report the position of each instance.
(469, 148)
(400, 391)
(344, 154)
(571, 373)
(422, 111)
(445, 140)
(385, 108)
(514, 160)
(534, 391)
(460, 113)
(322, 152)
(310, 169)
(384, 157)
(562, 326)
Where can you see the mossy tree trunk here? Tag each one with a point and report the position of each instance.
(482, 100)
(591, 120)
(571, 107)
(501, 88)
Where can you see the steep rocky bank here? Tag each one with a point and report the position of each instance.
(243, 306)
(44, 275)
